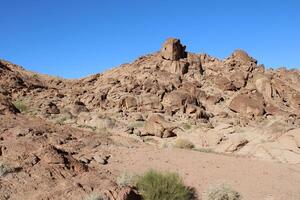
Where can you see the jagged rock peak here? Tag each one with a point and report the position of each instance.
(172, 49)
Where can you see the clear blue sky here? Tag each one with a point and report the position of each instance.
(74, 38)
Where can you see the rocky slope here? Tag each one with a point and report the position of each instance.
(232, 106)
(64, 129)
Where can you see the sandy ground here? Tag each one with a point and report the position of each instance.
(254, 179)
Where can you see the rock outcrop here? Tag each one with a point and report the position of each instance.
(170, 90)
(173, 50)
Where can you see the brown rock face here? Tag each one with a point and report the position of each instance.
(173, 50)
(248, 104)
(176, 67)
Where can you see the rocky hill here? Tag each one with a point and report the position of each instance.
(231, 106)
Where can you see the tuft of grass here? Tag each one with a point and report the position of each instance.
(126, 179)
(155, 185)
(20, 106)
(222, 192)
(184, 144)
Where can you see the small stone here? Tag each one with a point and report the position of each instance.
(100, 159)
(84, 160)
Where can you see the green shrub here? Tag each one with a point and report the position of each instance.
(154, 185)
(183, 144)
(20, 106)
(222, 192)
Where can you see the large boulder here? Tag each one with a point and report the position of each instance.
(238, 79)
(224, 83)
(173, 50)
(248, 104)
(156, 125)
(263, 85)
(175, 100)
(150, 102)
(129, 102)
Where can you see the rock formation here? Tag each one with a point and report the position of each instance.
(234, 106)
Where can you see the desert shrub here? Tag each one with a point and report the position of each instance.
(183, 144)
(186, 126)
(154, 185)
(20, 106)
(222, 192)
(5, 169)
(35, 76)
(126, 179)
(94, 197)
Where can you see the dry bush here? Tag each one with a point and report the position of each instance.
(126, 179)
(20, 106)
(183, 144)
(222, 192)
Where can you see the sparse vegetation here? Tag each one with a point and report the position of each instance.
(126, 179)
(21, 106)
(154, 185)
(222, 192)
(136, 124)
(184, 144)
(5, 169)
(35, 76)
(93, 128)
(186, 126)
(205, 150)
(94, 197)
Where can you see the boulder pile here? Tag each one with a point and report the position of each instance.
(170, 93)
